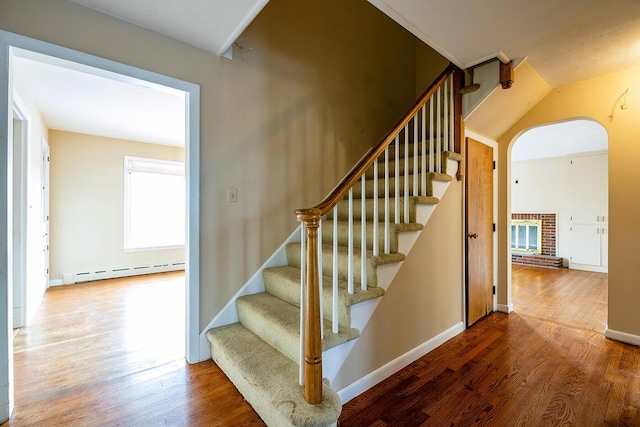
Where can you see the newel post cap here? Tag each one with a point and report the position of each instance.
(306, 215)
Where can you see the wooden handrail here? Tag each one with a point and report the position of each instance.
(311, 217)
(374, 152)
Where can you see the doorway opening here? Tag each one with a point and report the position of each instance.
(558, 177)
(18, 47)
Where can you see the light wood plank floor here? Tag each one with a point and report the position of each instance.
(569, 297)
(111, 353)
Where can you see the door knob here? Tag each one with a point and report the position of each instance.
(472, 236)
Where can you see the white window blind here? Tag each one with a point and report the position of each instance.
(154, 204)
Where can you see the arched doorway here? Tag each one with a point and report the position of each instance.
(558, 217)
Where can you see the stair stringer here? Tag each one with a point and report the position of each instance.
(333, 359)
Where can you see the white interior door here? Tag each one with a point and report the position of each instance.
(45, 212)
(19, 226)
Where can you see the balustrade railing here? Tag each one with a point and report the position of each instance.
(433, 125)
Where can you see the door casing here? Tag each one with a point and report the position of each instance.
(12, 44)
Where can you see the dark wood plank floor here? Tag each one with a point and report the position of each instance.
(546, 364)
(510, 370)
(507, 370)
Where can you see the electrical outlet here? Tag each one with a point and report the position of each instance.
(232, 195)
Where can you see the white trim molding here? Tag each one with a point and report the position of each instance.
(622, 337)
(385, 371)
(504, 308)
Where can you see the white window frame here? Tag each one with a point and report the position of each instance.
(523, 223)
(153, 165)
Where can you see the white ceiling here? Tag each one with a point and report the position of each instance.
(79, 99)
(212, 25)
(565, 40)
(560, 139)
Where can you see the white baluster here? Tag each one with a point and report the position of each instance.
(452, 145)
(423, 173)
(334, 300)
(363, 246)
(397, 180)
(350, 245)
(320, 275)
(386, 201)
(406, 174)
(445, 139)
(431, 132)
(375, 209)
(415, 155)
(438, 130)
(303, 298)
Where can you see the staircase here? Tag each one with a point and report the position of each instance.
(262, 353)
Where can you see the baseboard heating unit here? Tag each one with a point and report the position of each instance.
(124, 271)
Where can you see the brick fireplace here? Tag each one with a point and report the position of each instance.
(547, 257)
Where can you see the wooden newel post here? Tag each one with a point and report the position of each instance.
(313, 339)
(458, 124)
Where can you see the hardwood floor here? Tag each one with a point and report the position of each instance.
(546, 364)
(570, 297)
(112, 353)
(507, 370)
(510, 370)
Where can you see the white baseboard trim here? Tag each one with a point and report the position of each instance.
(622, 336)
(57, 282)
(585, 267)
(504, 308)
(365, 383)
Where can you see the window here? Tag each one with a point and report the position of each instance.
(526, 236)
(154, 204)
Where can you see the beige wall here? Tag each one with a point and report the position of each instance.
(317, 83)
(598, 99)
(87, 202)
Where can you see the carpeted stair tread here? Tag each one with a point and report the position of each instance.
(369, 185)
(293, 256)
(410, 147)
(370, 173)
(343, 233)
(414, 201)
(269, 380)
(278, 323)
(283, 282)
